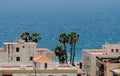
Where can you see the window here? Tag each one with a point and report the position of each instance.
(117, 50)
(31, 58)
(17, 58)
(17, 49)
(112, 50)
(45, 65)
(23, 46)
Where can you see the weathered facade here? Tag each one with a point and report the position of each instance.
(22, 52)
(90, 63)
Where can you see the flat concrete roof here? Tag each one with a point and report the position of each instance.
(20, 42)
(96, 52)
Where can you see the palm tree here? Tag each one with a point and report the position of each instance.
(35, 37)
(75, 40)
(25, 36)
(59, 53)
(70, 41)
(63, 38)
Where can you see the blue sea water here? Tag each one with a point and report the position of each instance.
(96, 21)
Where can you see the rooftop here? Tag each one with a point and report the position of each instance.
(21, 42)
(95, 51)
(42, 59)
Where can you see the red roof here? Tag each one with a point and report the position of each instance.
(42, 59)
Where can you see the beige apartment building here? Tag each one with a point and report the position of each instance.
(90, 61)
(22, 52)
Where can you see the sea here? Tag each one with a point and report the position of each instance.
(96, 21)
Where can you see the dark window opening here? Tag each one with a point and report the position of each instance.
(117, 50)
(23, 46)
(112, 50)
(17, 49)
(17, 58)
(45, 65)
(31, 58)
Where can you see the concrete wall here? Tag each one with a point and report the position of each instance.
(108, 48)
(26, 50)
(41, 65)
(2, 57)
(86, 60)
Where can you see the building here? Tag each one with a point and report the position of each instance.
(25, 59)
(22, 52)
(43, 66)
(89, 60)
(44, 62)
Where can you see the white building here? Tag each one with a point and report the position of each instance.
(89, 57)
(44, 62)
(22, 52)
(25, 59)
(43, 66)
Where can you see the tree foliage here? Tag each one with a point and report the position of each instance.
(60, 53)
(35, 37)
(71, 39)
